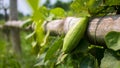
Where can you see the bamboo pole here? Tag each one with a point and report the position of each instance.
(95, 32)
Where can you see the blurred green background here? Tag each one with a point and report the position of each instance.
(28, 58)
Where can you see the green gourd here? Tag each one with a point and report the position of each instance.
(74, 35)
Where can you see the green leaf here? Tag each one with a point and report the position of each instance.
(41, 60)
(40, 35)
(53, 49)
(110, 60)
(35, 48)
(48, 43)
(112, 2)
(92, 4)
(82, 46)
(58, 12)
(80, 7)
(40, 14)
(97, 52)
(78, 4)
(88, 62)
(86, 7)
(112, 40)
(33, 4)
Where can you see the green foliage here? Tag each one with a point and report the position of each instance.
(39, 34)
(34, 5)
(3, 44)
(82, 54)
(9, 60)
(40, 14)
(55, 46)
(82, 46)
(38, 18)
(112, 2)
(110, 60)
(94, 7)
(112, 40)
(86, 6)
(79, 6)
(57, 12)
(2, 21)
(89, 61)
(58, 3)
(27, 22)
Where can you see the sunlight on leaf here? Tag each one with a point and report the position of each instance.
(39, 33)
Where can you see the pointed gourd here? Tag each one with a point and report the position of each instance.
(74, 35)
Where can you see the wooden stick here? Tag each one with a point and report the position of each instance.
(96, 30)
